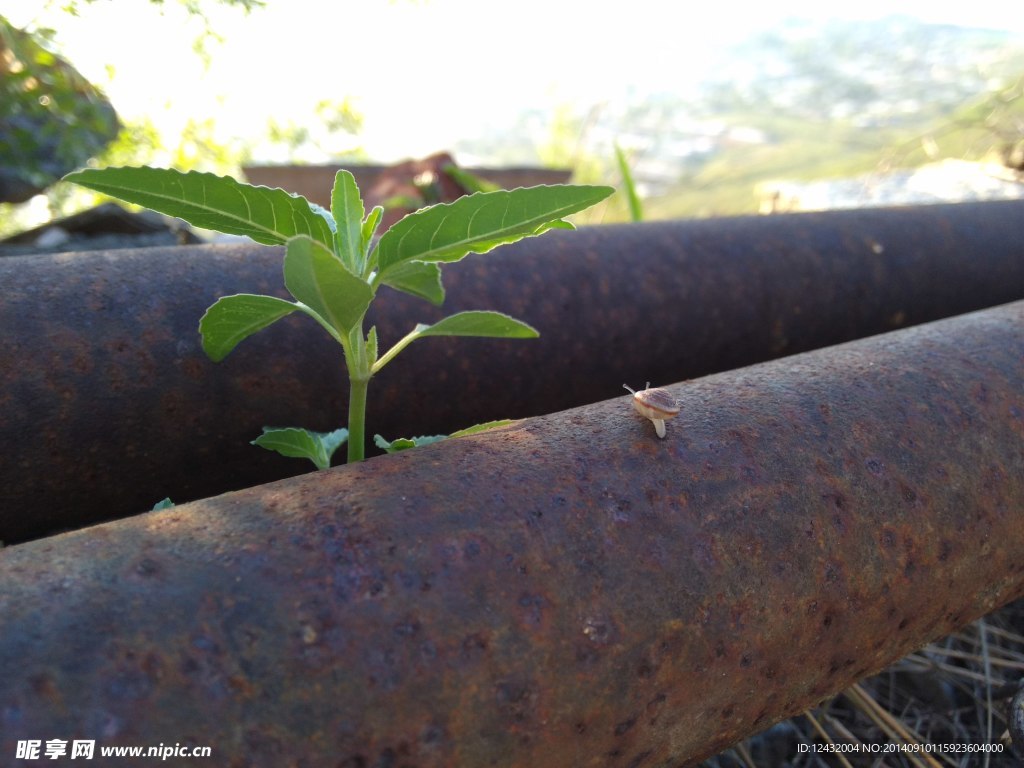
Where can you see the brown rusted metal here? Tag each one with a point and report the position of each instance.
(112, 405)
(565, 591)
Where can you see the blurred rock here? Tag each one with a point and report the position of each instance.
(413, 184)
(107, 226)
(402, 187)
(52, 120)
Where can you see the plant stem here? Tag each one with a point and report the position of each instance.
(401, 344)
(357, 418)
(359, 375)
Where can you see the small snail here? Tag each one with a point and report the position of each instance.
(655, 404)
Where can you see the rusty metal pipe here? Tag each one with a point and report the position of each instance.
(112, 405)
(569, 590)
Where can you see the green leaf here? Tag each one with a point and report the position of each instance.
(477, 223)
(482, 427)
(164, 503)
(405, 443)
(482, 323)
(298, 443)
(479, 323)
(233, 318)
(417, 278)
(268, 216)
(347, 210)
(315, 276)
(370, 224)
(323, 213)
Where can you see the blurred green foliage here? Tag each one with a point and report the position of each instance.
(51, 118)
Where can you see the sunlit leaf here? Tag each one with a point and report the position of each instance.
(405, 443)
(268, 216)
(347, 210)
(476, 428)
(475, 323)
(479, 323)
(477, 223)
(370, 225)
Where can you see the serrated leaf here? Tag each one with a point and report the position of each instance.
(479, 222)
(476, 428)
(479, 323)
(299, 443)
(233, 318)
(317, 278)
(324, 214)
(405, 443)
(418, 279)
(268, 216)
(347, 210)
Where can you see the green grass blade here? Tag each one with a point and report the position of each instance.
(477, 223)
(234, 318)
(268, 216)
(636, 210)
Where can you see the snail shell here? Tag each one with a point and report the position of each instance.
(656, 404)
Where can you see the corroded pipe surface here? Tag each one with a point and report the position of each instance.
(109, 404)
(566, 591)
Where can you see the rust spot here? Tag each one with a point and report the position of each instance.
(625, 726)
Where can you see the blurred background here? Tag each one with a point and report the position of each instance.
(715, 109)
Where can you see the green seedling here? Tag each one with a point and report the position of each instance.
(334, 265)
(404, 443)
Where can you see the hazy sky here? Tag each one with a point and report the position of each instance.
(423, 73)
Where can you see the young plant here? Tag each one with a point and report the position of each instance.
(334, 266)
